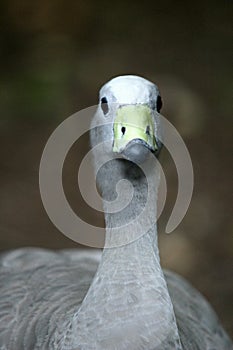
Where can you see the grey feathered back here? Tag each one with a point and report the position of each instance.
(39, 290)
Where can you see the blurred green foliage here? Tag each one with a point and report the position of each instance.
(55, 54)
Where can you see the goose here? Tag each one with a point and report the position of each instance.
(119, 298)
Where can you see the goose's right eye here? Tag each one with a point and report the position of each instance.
(104, 105)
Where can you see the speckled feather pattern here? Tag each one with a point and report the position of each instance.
(41, 292)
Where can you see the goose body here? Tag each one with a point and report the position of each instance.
(120, 298)
(41, 290)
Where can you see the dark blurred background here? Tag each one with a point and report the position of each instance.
(55, 55)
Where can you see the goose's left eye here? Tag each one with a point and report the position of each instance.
(104, 105)
(159, 103)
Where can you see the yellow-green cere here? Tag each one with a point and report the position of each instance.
(133, 122)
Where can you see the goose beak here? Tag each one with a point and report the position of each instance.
(134, 128)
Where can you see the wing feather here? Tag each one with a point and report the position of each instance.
(198, 325)
(39, 290)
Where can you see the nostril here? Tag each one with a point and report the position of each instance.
(123, 130)
(148, 130)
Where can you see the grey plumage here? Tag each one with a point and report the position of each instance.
(120, 299)
(41, 289)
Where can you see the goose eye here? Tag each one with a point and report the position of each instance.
(159, 103)
(104, 105)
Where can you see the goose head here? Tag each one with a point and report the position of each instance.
(129, 108)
